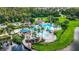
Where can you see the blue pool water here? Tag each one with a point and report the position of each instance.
(25, 30)
(46, 26)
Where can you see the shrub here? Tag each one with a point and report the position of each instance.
(1, 30)
(4, 37)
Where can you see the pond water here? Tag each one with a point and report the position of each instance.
(15, 47)
(20, 48)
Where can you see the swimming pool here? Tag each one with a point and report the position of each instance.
(47, 26)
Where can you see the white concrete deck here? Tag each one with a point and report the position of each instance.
(48, 37)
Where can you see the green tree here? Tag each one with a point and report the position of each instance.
(17, 39)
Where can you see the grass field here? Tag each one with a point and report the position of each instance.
(62, 19)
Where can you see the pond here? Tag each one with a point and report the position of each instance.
(14, 47)
(20, 48)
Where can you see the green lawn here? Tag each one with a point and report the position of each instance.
(62, 19)
(62, 41)
(45, 19)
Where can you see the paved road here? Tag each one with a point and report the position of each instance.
(74, 46)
